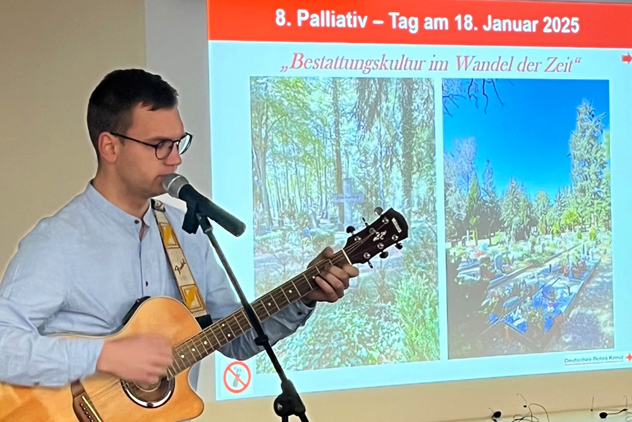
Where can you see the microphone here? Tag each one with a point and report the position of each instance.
(178, 186)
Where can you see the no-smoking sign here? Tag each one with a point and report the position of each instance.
(237, 377)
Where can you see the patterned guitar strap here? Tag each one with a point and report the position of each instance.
(184, 278)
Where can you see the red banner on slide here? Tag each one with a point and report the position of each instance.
(445, 22)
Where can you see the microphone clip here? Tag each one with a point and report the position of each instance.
(191, 221)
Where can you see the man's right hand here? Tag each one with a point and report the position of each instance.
(141, 359)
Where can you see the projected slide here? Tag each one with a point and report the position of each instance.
(528, 216)
(500, 130)
(529, 267)
(326, 135)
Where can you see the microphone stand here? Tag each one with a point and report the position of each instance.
(288, 402)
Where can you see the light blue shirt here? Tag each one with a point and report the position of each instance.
(81, 270)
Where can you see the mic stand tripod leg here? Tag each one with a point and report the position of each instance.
(288, 402)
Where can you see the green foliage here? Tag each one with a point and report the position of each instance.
(586, 202)
(535, 321)
(516, 211)
(589, 161)
(321, 239)
(420, 323)
(473, 199)
(286, 248)
(390, 316)
(592, 235)
(348, 333)
(459, 170)
(490, 222)
(309, 134)
(541, 210)
(416, 299)
(570, 219)
(473, 207)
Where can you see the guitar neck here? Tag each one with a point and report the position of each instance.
(229, 328)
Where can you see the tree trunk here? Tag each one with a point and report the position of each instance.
(288, 204)
(306, 180)
(264, 183)
(299, 196)
(335, 84)
(279, 195)
(319, 177)
(260, 151)
(406, 101)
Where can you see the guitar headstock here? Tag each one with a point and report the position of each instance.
(389, 229)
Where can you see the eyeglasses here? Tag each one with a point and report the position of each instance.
(164, 147)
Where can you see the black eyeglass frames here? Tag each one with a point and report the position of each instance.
(165, 146)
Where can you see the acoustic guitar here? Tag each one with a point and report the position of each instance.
(103, 397)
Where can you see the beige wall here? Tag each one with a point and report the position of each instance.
(52, 54)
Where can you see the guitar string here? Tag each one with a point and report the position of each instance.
(114, 386)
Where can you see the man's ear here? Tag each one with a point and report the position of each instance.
(108, 147)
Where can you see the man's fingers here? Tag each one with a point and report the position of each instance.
(327, 253)
(151, 381)
(336, 284)
(167, 360)
(324, 254)
(341, 275)
(156, 371)
(351, 270)
(335, 280)
(327, 289)
(160, 366)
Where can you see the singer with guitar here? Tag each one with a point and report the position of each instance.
(80, 271)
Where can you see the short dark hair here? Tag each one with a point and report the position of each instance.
(112, 101)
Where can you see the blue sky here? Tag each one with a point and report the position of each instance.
(528, 137)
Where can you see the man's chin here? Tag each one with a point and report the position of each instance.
(157, 191)
(160, 192)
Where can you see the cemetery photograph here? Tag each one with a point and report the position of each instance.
(326, 152)
(526, 177)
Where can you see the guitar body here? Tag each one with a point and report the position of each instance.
(104, 394)
(105, 398)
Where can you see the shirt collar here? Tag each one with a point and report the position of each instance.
(120, 217)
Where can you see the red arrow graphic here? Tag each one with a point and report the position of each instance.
(626, 58)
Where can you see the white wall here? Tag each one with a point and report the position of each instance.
(177, 48)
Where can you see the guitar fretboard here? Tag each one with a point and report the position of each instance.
(229, 328)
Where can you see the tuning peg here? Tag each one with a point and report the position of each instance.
(398, 245)
(350, 229)
(370, 265)
(379, 211)
(384, 255)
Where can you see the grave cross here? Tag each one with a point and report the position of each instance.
(347, 198)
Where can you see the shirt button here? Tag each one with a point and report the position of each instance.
(147, 283)
(136, 221)
(300, 312)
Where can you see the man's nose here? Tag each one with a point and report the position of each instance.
(174, 158)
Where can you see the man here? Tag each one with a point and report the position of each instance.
(81, 270)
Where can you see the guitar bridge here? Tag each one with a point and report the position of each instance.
(81, 404)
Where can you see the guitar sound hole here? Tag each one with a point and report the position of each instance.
(150, 396)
